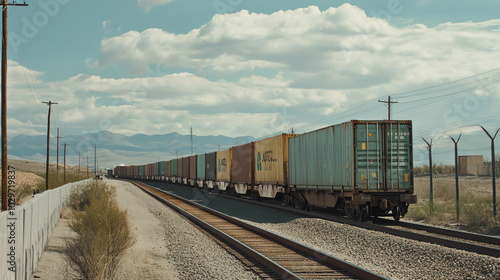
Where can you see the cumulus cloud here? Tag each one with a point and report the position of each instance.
(336, 48)
(258, 74)
(147, 5)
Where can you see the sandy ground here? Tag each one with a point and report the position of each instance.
(144, 260)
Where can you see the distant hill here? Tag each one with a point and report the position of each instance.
(115, 149)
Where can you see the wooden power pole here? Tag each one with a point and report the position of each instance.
(389, 102)
(5, 185)
(57, 175)
(50, 103)
(65, 162)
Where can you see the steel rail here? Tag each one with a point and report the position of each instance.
(277, 268)
(470, 247)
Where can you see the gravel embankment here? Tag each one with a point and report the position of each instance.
(194, 255)
(387, 255)
(390, 256)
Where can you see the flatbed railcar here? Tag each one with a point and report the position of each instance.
(363, 167)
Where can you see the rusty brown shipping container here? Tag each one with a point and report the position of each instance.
(224, 166)
(168, 169)
(192, 167)
(271, 160)
(185, 168)
(179, 167)
(242, 164)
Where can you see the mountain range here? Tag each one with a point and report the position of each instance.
(115, 149)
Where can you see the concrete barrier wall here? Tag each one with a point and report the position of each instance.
(34, 222)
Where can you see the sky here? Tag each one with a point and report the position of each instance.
(241, 67)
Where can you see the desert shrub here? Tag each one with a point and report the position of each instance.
(23, 191)
(477, 213)
(83, 195)
(102, 232)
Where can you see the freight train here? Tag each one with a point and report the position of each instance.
(363, 167)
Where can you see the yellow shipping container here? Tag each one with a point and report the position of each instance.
(224, 166)
(271, 160)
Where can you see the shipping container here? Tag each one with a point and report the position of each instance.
(141, 170)
(357, 155)
(185, 167)
(174, 167)
(179, 167)
(200, 167)
(162, 168)
(168, 168)
(211, 166)
(271, 160)
(223, 173)
(242, 164)
(192, 167)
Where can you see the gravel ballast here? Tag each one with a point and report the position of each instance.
(390, 256)
(194, 255)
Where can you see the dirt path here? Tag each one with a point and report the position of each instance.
(144, 260)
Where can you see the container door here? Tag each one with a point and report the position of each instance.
(398, 156)
(368, 151)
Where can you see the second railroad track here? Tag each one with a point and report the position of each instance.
(285, 258)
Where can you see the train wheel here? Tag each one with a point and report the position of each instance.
(396, 213)
(349, 211)
(299, 201)
(363, 213)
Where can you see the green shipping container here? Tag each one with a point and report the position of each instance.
(162, 168)
(173, 167)
(200, 168)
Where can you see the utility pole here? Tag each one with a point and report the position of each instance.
(219, 147)
(95, 159)
(50, 103)
(429, 147)
(78, 166)
(58, 151)
(389, 102)
(456, 175)
(87, 166)
(191, 140)
(5, 186)
(493, 175)
(65, 162)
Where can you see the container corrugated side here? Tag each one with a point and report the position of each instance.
(242, 164)
(200, 167)
(192, 167)
(211, 166)
(224, 166)
(141, 170)
(185, 167)
(322, 159)
(271, 160)
(174, 167)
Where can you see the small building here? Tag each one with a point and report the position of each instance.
(470, 165)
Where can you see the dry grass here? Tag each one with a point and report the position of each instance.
(476, 204)
(103, 232)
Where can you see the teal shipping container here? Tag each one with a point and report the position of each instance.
(162, 168)
(141, 170)
(173, 165)
(367, 156)
(200, 168)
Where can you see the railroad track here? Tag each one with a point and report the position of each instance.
(287, 259)
(471, 242)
